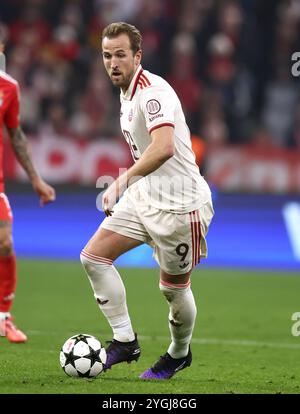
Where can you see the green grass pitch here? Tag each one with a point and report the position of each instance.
(242, 340)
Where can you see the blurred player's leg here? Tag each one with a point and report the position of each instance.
(8, 280)
(97, 259)
(182, 315)
(7, 268)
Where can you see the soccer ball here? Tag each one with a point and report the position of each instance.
(82, 355)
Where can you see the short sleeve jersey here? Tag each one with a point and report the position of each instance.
(9, 112)
(150, 103)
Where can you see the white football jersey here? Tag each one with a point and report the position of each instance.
(150, 103)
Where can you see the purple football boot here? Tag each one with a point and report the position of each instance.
(166, 367)
(122, 352)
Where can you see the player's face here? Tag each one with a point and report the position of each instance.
(119, 60)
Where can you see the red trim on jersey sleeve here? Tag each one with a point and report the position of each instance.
(161, 125)
(136, 83)
(12, 118)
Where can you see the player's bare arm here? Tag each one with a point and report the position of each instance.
(20, 147)
(158, 152)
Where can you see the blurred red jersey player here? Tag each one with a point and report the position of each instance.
(9, 117)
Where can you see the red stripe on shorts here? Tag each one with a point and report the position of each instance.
(196, 236)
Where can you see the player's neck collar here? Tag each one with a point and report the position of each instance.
(133, 84)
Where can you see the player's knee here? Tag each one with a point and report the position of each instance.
(171, 290)
(89, 261)
(6, 246)
(167, 292)
(85, 261)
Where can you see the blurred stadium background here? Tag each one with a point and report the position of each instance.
(230, 63)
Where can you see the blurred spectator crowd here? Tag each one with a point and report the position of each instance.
(228, 60)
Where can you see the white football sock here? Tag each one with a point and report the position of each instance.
(181, 317)
(109, 292)
(4, 315)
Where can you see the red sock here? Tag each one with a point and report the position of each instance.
(8, 279)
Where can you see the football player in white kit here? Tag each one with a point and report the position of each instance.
(161, 200)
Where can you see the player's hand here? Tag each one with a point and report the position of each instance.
(44, 190)
(112, 194)
(109, 198)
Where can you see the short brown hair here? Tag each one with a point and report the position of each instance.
(115, 29)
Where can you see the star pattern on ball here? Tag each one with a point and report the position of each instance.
(94, 355)
(70, 358)
(87, 363)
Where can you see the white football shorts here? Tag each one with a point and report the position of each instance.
(178, 239)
